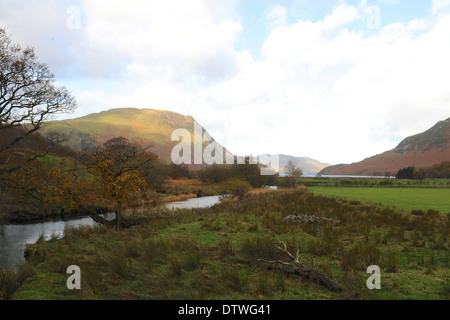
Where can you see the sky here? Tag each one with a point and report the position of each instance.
(336, 81)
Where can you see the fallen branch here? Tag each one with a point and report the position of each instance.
(300, 269)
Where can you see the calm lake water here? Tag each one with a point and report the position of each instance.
(343, 176)
(14, 237)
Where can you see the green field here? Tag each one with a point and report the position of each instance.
(408, 198)
(375, 183)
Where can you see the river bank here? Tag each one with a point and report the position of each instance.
(14, 236)
(173, 191)
(217, 253)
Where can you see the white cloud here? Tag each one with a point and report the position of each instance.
(440, 4)
(330, 92)
(181, 34)
(320, 89)
(277, 16)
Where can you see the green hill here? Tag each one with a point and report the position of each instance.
(151, 126)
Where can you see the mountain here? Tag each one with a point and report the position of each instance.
(154, 127)
(421, 150)
(308, 166)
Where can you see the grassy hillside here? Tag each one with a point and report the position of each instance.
(152, 126)
(421, 150)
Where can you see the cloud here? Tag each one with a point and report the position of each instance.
(330, 89)
(440, 4)
(325, 87)
(187, 35)
(277, 16)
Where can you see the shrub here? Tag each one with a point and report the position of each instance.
(121, 265)
(237, 187)
(11, 280)
(8, 283)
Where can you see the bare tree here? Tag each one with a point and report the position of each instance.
(28, 94)
(293, 173)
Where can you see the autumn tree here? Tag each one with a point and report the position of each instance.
(47, 187)
(410, 173)
(438, 171)
(119, 170)
(293, 173)
(156, 174)
(29, 96)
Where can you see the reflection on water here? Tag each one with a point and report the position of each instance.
(14, 237)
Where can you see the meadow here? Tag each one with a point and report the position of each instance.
(375, 183)
(217, 253)
(408, 198)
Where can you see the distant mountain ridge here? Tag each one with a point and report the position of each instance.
(308, 165)
(151, 126)
(420, 150)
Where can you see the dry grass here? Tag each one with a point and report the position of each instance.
(184, 182)
(181, 197)
(213, 253)
(265, 191)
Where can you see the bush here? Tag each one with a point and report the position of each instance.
(121, 265)
(410, 173)
(11, 280)
(237, 187)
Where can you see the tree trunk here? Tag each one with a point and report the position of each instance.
(300, 269)
(119, 218)
(103, 221)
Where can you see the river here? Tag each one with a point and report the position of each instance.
(14, 237)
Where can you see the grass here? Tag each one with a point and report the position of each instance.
(213, 253)
(375, 183)
(408, 198)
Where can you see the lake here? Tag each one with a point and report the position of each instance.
(14, 237)
(344, 176)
